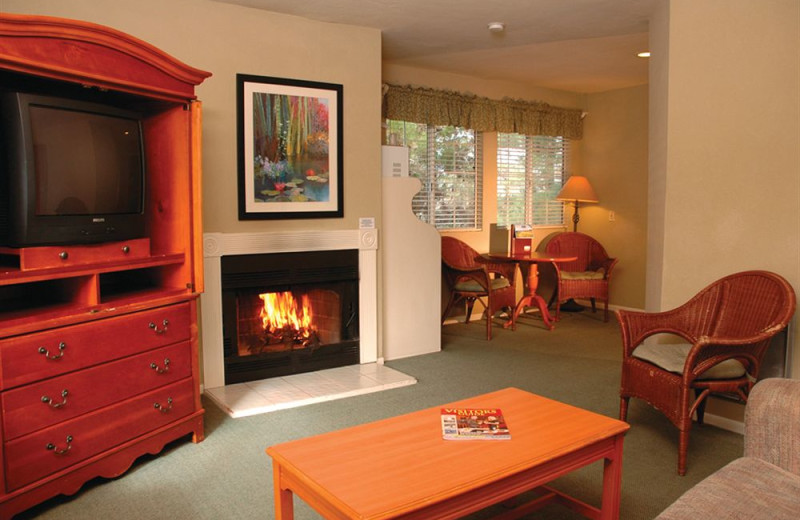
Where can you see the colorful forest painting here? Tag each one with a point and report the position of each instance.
(290, 148)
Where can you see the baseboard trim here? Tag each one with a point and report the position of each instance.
(724, 423)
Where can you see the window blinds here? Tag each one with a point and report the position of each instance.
(448, 162)
(530, 173)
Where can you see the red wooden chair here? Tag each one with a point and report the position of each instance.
(470, 277)
(727, 328)
(586, 277)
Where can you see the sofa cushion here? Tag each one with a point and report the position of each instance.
(672, 357)
(746, 488)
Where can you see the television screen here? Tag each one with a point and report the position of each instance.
(85, 163)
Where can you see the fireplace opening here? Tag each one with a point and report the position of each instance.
(289, 313)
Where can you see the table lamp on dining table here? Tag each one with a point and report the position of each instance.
(576, 190)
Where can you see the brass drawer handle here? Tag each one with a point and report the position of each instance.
(60, 451)
(158, 369)
(46, 353)
(162, 330)
(164, 409)
(49, 402)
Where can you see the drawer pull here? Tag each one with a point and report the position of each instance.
(49, 402)
(164, 409)
(46, 353)
(160, 370)
(60, 451)
(162, 330)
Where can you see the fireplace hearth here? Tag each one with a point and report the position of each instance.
(289, 313)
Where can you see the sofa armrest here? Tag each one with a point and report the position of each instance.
(772, 423)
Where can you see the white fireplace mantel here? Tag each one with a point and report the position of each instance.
(217, 245)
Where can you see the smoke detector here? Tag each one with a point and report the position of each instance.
(497, 27)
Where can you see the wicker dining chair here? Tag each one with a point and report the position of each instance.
(726, 328)
(471, 277)
(586, 277)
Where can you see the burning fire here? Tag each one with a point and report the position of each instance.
(286, 319)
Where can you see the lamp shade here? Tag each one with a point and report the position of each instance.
(578, 189)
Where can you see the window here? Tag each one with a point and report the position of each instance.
(530, 173)
(447, 160)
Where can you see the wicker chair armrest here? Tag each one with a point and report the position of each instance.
(453, 274)
(772, 423)
(737, 341)
(636, 326)
(467, 270)
(609, 266)
(709, 351)
(506, 269)
(606, 264)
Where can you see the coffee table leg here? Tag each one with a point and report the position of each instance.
(612, 482)
(284, 506)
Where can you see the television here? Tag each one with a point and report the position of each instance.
(72, 172)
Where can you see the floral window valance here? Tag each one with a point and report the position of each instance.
(441, 107)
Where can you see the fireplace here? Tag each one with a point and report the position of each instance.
(289, 313)
(219, 247)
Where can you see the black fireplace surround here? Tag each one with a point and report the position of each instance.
(311, 272)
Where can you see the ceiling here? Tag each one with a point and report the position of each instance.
(574, 45)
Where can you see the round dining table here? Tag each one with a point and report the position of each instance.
(528, 262)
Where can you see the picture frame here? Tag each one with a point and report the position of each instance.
(289, 139)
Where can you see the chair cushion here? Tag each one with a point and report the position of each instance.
(473, 286)
(672, 357)
(582, 275)
(745, 488)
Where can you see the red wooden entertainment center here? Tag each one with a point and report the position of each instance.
(98, 342)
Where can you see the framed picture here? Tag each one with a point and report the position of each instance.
(290, 148)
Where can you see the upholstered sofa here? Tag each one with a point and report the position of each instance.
(765, 482)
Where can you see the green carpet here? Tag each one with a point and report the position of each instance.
(228, 476)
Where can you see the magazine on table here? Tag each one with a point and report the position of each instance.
(474, 424)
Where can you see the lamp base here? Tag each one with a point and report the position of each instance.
(572, 306)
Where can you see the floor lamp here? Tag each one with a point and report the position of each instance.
(576, 190)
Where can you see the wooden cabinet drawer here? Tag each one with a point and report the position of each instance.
(39, 454)
(64, 256)
(33, 357)
(31, 407)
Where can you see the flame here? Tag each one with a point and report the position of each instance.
(282, 311)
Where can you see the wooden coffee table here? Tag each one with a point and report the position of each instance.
(402, 468)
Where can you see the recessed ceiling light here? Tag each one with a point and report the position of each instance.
(645, 54)
(497, 27)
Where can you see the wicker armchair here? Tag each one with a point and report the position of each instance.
(586, 277)
(728, 327)
(470, 277)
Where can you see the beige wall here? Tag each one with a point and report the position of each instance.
(727, 120)
(614, 159)
(225, 40)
